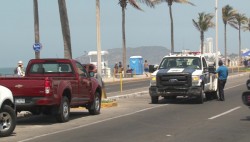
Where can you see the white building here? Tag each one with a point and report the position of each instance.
(208, 45)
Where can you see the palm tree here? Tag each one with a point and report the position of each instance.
(170, 3)
(239, 21)
(65, 29)
(123, 4)
(36, 26)
(203, 24)
(247, 26)
(227, 16)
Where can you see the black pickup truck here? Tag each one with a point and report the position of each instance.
(246, 94)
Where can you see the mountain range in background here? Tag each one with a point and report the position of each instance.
(153, 54)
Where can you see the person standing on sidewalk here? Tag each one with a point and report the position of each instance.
(222, 79)
(146, 68)
(19, 70)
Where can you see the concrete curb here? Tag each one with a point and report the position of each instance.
(129, 95)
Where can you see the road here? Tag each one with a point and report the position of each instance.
(136, 119)
(128, 87)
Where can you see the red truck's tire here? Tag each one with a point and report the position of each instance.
(63, 110)
(95, 106)
(7, 120)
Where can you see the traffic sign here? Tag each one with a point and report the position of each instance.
(37, 47)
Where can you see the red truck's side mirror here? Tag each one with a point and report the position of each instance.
(246, 98)
(91, 74)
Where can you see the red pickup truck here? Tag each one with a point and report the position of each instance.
(53, 86)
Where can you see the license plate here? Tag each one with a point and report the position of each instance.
(20, 101)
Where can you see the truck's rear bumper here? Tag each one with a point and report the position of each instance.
(27, 103)
(191, 91)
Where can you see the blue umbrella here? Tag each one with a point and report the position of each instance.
(246, 53)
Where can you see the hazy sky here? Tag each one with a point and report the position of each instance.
(148, 28)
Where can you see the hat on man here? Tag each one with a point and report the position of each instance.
(20, 62)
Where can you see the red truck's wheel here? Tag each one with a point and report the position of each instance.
(95, 106)
(63, 111)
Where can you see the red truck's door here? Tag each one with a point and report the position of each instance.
(84, 83)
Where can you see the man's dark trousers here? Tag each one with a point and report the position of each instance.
(221, 85)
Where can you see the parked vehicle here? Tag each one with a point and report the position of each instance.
(183, 74)
(52, 86)
(246, 94)
(7, 112)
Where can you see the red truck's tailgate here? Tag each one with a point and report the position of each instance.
(24, 86)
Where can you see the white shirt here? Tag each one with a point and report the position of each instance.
(20, 71)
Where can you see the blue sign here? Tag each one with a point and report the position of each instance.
(37, 47)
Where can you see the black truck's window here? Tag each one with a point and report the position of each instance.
(181, 62)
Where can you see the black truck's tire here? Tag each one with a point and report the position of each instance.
(200, 98)
(7, 120)
(215, 95)
(63, 111)
(95, 106)
(154, 99)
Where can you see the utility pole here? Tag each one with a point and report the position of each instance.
(98, 38)
(216, 36)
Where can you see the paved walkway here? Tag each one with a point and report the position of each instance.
(114, 79)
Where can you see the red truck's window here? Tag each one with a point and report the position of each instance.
(47, 68)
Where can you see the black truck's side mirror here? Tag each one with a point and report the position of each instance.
(152, 68)
(211, 69)
(246, 98)
(248, 84)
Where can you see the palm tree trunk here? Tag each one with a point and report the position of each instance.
(123, 39)
(240, 61)
(202, 41)
(225, 42)
(36, 26)
(172, 29)
(65, 29)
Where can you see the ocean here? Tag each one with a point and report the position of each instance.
(7, 71)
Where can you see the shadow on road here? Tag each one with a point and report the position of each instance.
(246, 119)
(48, 119)
(182, 100)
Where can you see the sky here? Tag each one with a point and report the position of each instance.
(150, 27)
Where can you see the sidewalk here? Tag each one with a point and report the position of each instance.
(115, 80)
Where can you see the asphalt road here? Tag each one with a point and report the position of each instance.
(136, 119)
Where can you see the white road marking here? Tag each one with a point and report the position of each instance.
(234, 86)
(81, 126)
(224, 113)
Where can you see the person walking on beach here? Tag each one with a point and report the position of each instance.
(222, 79)
(19, 69)
(146, 68)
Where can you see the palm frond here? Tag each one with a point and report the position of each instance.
(196, 25)
(134, 4)
(184, 2)
(247, 26)
(238, 21)
(149, 3)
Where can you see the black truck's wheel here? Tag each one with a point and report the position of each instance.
(201, 97)
(95, 106)
(63, 111)
(154, 99)
(7, 121)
